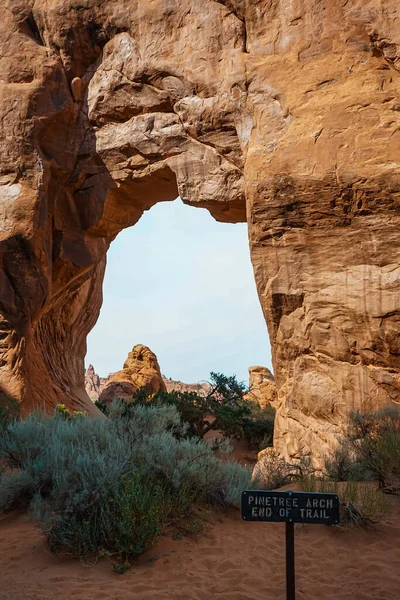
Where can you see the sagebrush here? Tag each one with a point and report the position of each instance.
(110, 486)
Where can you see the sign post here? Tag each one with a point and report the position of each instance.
(290, 508)
(290, 564)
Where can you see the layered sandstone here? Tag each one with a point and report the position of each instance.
(284, 114)
(262, 387)
(141, 369)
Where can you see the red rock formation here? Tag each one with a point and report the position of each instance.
(141, 369)
(94, 385)
(284, 114)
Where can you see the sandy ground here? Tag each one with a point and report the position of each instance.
(232, 560)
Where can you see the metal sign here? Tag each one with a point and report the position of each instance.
(290, 507)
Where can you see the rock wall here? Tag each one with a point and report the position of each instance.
(323, 189)
(286, 114)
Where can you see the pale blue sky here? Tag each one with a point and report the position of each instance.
(182, 284)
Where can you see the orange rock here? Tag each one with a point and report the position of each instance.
(262, 387)
(140, 369)
(282, 114)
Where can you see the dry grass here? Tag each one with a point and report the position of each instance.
(361, 503)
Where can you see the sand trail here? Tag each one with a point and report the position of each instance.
(232, 560)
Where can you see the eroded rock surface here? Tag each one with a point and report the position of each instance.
(141, 369)
(94, 384)
(287, 114)
(262, 387)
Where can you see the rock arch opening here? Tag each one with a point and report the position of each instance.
(111, 139)
(182, 284)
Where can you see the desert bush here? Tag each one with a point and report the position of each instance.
(375, 441)
(194, 527)
(343, 465)
(101, 406)
(110, 485)
(67, 458)
(123, 519)
(274, 472)
(62, 411)
(258, 427)
(136, 420)
(222, 409)
(360, 504)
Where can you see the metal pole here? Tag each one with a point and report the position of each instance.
(290, 571)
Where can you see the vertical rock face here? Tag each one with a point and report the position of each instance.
(93, 383)
(287, 114)
(323, 189)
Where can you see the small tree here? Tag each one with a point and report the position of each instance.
(222, 409)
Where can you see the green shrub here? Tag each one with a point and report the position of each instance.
(125, 520)
(375, 440)
(65, 459)
(194, 527)
(62, 411)
(109, 486)
(136, 420)
(222, 409)
(258, 427)
(101, 406)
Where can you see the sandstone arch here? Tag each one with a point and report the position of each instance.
(286, 114)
